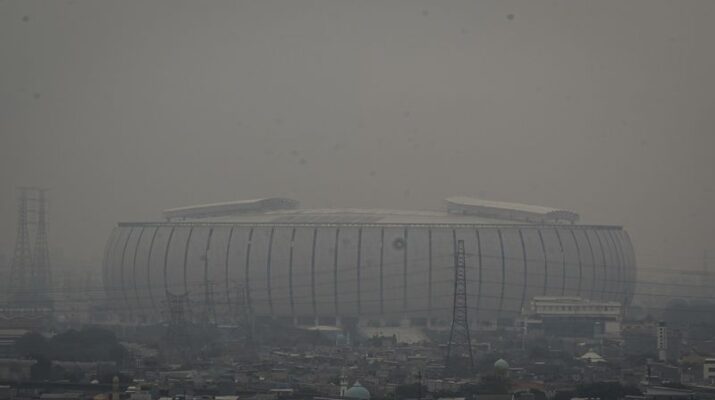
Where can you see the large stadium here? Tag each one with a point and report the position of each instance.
(269, 258)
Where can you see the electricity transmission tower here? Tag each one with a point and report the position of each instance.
(459, 348)
(21, 267)
(41, 255)
(209, 309)
(209, 313)
(243, 318)
(30, 268)
(177, 335)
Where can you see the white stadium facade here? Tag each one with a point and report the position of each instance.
(271, 259)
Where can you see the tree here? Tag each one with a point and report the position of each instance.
(490, 384)
(494, 384)
(538, 394)
(42, 370)
(32, 344)
(606, 390)
(412, 390)
(564, 395)
(91, 344)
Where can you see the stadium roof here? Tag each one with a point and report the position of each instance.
(460, 211)
(231, 208)
(510, 211)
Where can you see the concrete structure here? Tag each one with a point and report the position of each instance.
(667, 393)
(574, 306)
(15, 370)
(661, 335)
(330, 266)
(574, 316)
(8, 337)
(709, 370)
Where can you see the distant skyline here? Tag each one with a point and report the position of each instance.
(125, 108)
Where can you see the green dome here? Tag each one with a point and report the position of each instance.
(357, 392)
(501, 364)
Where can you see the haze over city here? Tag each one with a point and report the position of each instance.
(357, 200)
(126, 108)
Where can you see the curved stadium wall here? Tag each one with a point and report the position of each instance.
(325, 271)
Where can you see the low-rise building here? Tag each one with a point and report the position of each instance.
(709, 370)
(14, 370)
(574, 317)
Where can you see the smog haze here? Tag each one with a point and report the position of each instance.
(123, 109)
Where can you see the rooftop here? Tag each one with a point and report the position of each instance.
(284, 211)
(515, 211)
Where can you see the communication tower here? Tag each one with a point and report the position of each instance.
(459, 348)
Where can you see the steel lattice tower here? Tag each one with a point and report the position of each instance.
(178, 335)
(21, 267)
(42, 278)
(243, 315)
(459, 348)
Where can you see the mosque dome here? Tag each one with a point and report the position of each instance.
(501, 364)
(358, 392)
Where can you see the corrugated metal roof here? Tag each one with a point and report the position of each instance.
(461, 210)
(508, 211)
(471, 201)
(230, 208)
(353, 216)
(221, 204)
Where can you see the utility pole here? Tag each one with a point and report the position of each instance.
(706, 281)
(419, 384)
(459, 348)
(209, 307)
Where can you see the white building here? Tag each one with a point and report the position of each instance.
(661, 335)
(709, 370)
(575, 306)
(596, 317)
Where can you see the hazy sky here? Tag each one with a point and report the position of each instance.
(124, 108)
